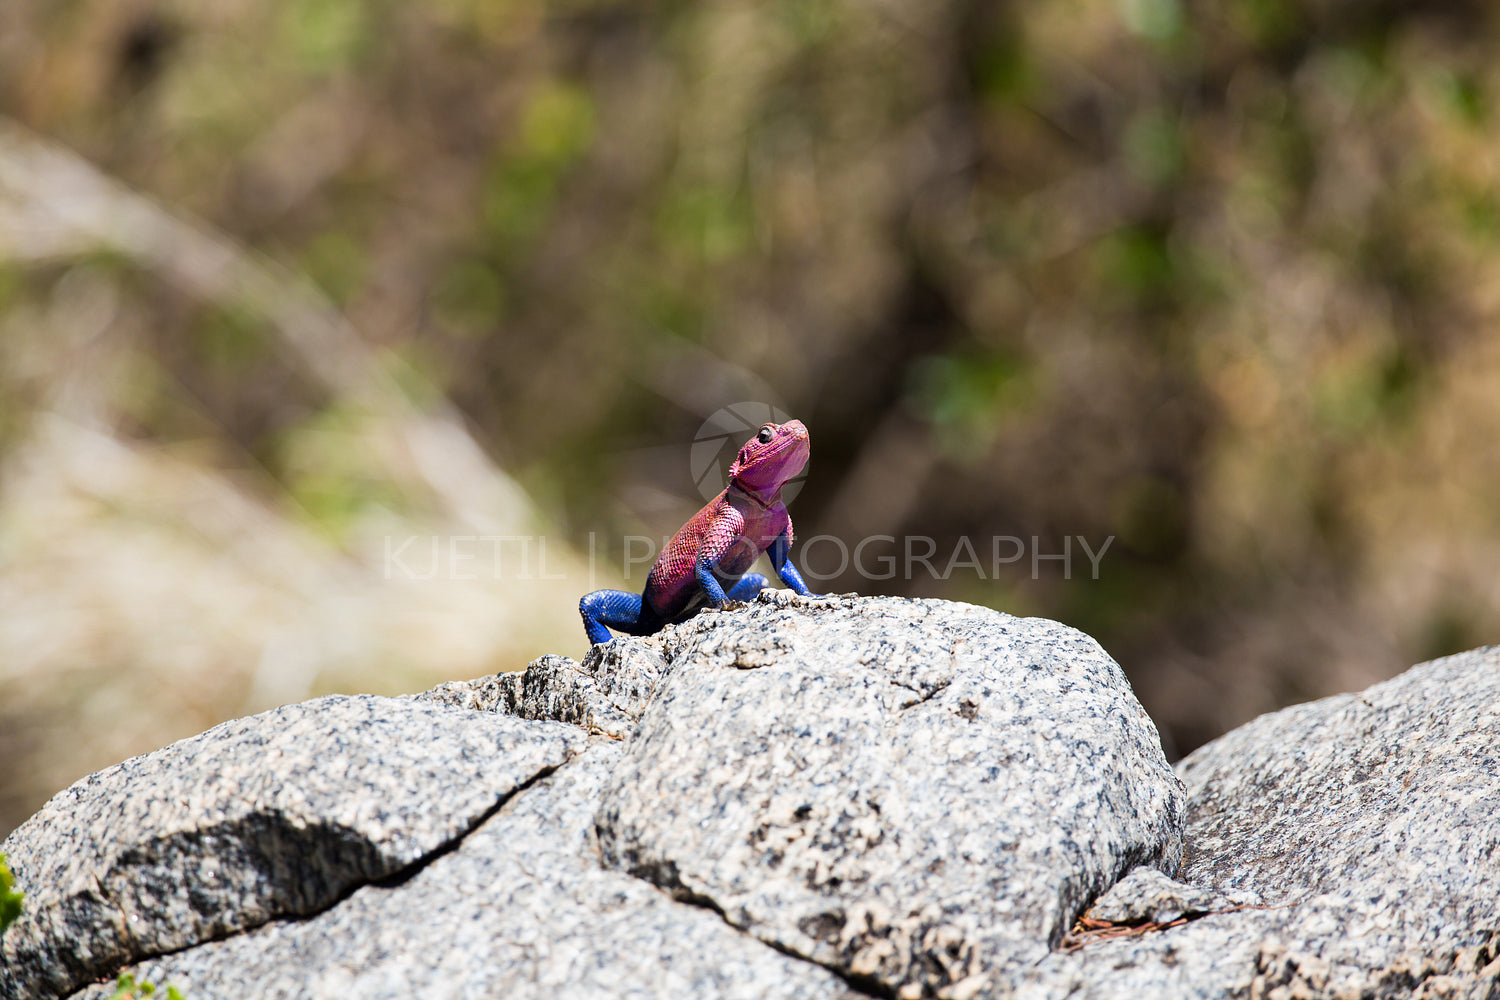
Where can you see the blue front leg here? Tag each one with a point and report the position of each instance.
(703, 570)
(743, 589)
(781, 561)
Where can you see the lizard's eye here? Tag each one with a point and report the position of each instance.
(765, 435)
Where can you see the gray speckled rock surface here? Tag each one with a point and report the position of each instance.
(522, 910)
(605, 694)
(921, 795)
(802, 798)
(280, 813)
(1369, 823)
(1146, 895)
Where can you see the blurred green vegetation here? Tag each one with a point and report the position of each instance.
(1216, 279)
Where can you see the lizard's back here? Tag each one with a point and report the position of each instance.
(731, 529)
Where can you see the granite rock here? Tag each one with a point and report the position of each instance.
(521, 909)
(918, 794)
(1369, 826)
(277, 814)
(827, 797)
(605, 694)
(1147, 896)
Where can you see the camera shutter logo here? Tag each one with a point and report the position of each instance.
(719, 440)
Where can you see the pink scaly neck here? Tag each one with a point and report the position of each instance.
(736, 487)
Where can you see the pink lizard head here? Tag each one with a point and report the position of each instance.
(776, 453)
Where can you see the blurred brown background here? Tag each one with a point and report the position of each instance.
(283, 280)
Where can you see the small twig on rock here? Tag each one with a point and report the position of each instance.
(1088, 930)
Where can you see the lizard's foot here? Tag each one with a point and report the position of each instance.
(745, 588)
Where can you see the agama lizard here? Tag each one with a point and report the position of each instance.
(707, 558)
